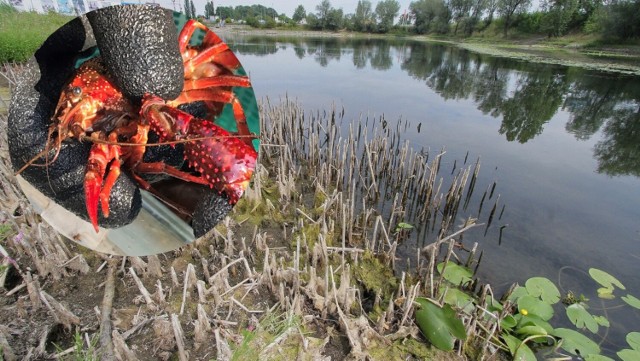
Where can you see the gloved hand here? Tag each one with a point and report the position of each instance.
(138, 45)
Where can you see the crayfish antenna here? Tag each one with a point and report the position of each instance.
(46, 150)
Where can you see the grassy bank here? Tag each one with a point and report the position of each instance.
(22, 33)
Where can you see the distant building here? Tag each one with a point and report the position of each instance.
(69, 7)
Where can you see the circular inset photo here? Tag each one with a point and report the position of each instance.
(134, 130)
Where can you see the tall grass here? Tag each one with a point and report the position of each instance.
(22, 33)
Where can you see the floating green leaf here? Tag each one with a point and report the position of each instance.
(534, 306)
(543, 288)
(631, 301)
(575, 342)
(597, 358)
(455, 273)
(457, 298)
(403, 225)
(605, 279)
(602, 321)
(629, 355)
(440, 325)
(581, 318)
(606, 293)
(633, 339)
(517, 293)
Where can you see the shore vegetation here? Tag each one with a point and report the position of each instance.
(22, 33)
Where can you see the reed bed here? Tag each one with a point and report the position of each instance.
(304, 265)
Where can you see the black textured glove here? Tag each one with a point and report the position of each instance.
(138, 45)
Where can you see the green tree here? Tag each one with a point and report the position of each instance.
(557, 16)
(430, 16)
(187, 9)
(224, 12)
(491, 7)
(386, 11)
(299, 14)
(334, 19)
(313, 22)
(473, 16)
(252, 21)
(209, 10)
(508, 8)
(194, 14)
(326, 18)
(621, 19)
(322, 12)
(585, 9)
(459, 10)
(364, 18)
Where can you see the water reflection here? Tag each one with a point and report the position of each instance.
(524, 96)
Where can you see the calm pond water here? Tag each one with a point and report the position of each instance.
(563, 145)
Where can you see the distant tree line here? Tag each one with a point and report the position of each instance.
(254, 15)
(611, 18)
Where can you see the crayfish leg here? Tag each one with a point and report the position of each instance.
(220, 96)
(95, 192)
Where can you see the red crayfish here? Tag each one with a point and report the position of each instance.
(91, 107)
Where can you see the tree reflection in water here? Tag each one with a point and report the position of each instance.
(524, 95)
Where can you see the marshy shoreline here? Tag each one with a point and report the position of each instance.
(304, 264)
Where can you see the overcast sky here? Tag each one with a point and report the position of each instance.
(281, 6)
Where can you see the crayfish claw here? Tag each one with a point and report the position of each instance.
(92, 187)
(100, 156)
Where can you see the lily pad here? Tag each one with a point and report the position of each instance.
(457, 298)
(629, 355)
(581, 318)
(576, 343)
(534, 306)
(455, 273)
(403, 225)
(517, 293)
(632, 301)
(606, 293)
(633, 339)
(602, 321)
(605, 279)
(543, 288)
(440, 325)
(598, 358)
